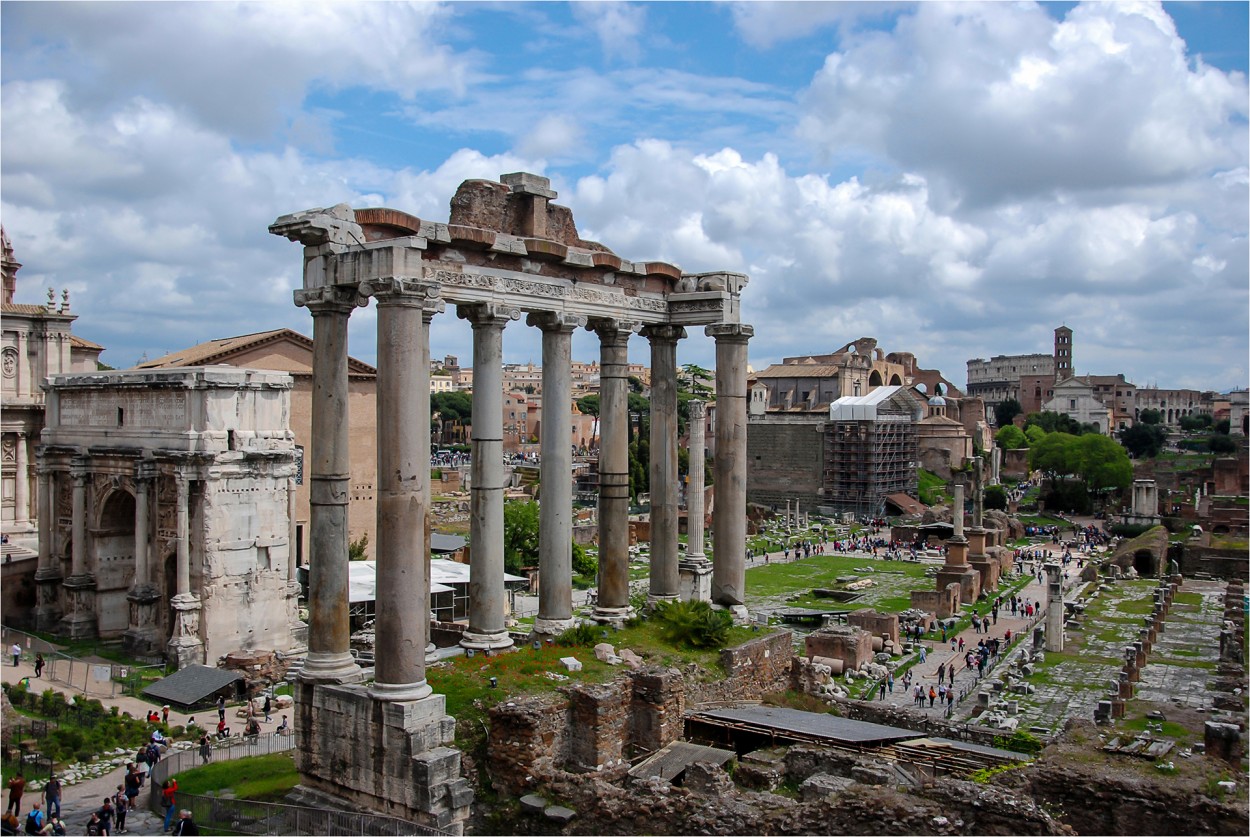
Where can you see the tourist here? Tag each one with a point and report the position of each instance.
(16, 651)
(39, 664)
(167, 799)
(93, 825)
(882, 690)
(941, 671)
(34, 820)
(266, 708)
(54, 826)
(105, 815)
(185, 825)
(121, 805)
(221, 707)
(950, 696)
(206, 749)
(133, 781)
(283, 727)
(922, 654)
(165, 714)
(932, 695)
(16, 786)
(889, 679)
(961, 643)
(223, 731)
(52, 796)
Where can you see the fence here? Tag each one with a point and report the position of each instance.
(240, 816)
(98, 678)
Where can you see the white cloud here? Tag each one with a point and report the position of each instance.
(993, 101)
(765, 24)
(618, 26)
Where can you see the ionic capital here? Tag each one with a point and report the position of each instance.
(664, 333)
(330, 299)
(730, 332)
(613, 332)
(488, 315)
(555, 321)
(414, 293)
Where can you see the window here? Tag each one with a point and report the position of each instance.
(121, 417)
(1072, 403)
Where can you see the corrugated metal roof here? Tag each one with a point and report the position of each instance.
(818, 724)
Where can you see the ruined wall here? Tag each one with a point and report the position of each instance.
(785, 462)
(853, 646)
(875, 623)
(1218, 563)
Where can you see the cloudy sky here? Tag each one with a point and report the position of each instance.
(954, 180)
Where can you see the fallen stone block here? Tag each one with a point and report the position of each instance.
(571, 663)
(533, 803)
(559, 814)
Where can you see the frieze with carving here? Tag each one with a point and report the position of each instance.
(8, 362)
(464, 280)
(8, 451)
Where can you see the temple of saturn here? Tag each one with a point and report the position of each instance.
(506, 249)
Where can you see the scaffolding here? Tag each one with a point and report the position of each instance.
(869, 455)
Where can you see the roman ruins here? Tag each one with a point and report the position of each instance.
(505, 250)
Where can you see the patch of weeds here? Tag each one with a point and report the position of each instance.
(985, 774)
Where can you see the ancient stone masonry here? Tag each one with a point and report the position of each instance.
(506, 251)
(149, 472)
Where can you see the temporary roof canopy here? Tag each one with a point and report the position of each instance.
(860, 407)
(188, 686)
(362, 578)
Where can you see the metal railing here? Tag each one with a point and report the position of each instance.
(241, 816)
(98, 678)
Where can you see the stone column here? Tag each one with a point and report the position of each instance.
(185, 647)
(48, 575)
(329, 658)
(486, 588)
(79, 619)
(695, 570)
(403, 487)
(555, 510)
(663, 477)
(729, 468)
(613, 603)
(21, 488)
(1054, 607)
(141, 637)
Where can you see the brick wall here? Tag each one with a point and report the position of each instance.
(784, 461)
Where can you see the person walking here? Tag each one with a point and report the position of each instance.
(52, 796)
(39, 664)
(932, 695)
(266, 708)
(120, 806)
(133, 781)
(16, 652)
(165, 715)
(206, 749)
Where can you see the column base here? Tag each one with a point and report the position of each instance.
(330, 667)
(48, 611)
(613, 615)
(653, 600)
(79, 621)
(186, 647)
(141, 637)
(394, 692)
(553, 627)
(495, 641)
(694, 579)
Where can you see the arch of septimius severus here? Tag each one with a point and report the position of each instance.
(507, 250)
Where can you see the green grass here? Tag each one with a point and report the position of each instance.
(931, 489)
(465, 681)
(259, 778)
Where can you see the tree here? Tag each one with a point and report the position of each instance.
(1196, 423)
(589, 404)
(1053, 455)
(1034, 434)
(995, 497)
(1144, 440)
(453, 408)
(1220, 443)
(1006, 411)
(1223, 426)
(357, 549)
(520, 535)
(1010, 437)
(1053, 422)
(1150, 416)
(584, 564)
(1101, 463)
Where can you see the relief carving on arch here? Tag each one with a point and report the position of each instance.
(8, 450)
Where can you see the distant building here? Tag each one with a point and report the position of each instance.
(37, 343)
(871, 443)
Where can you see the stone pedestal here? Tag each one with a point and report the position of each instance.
(48, 611)
(694, 580)
(380, 756)
(186, 647)
(79, 621)
(985, 566)
(1054, 607)
(957, 571)
(142, 637)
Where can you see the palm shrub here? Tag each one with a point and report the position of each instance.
(693, 623)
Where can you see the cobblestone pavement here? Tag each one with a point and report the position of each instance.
(1186, 653)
